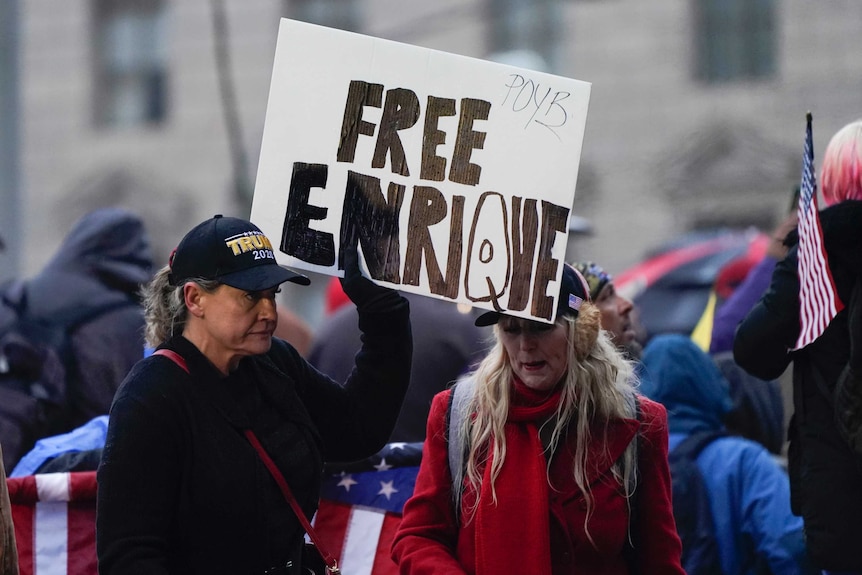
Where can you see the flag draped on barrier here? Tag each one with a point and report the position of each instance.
(360, 509)
(55, 523)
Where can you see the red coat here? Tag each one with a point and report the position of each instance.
(428, 540)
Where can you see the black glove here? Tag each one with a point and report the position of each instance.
(361, 290)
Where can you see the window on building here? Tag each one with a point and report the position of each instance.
(130, 62)
(526, 32)
(734, 39)
(341, 14)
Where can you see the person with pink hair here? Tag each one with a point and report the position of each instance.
(841, 177)
(825, 455)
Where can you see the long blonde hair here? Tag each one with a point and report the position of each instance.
(599, 386)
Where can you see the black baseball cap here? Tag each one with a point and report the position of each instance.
(573, 293)
(232, 251)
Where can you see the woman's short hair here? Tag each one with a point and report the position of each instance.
(841, 176)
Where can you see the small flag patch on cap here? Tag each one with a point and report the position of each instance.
(575, 301)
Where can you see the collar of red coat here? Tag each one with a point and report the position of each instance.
(601, 455)
(620, 433)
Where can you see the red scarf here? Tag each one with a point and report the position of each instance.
(514, 535)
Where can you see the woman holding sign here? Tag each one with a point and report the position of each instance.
(205, 435)
(545, 460)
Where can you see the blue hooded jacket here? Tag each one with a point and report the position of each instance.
(749, 492)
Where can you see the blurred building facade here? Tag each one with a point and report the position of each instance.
(696, 115)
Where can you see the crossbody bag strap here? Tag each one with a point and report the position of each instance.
(331, 562)
(174, 357)
(456, 443)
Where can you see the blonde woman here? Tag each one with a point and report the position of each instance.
(564, 467)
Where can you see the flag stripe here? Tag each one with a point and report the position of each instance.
(82, 537)
(363, 533)
(383, 563)
(330, 523)
(51, 551)
(22, 518)
(817, 296)
(53, 486)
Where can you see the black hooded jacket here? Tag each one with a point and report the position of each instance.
(99, 267)
(825, 475)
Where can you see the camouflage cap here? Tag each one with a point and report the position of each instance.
(597, 278)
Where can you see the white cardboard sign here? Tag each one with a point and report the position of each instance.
(456, 176)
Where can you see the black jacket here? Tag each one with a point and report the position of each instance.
(99, 267)
(180, 488)
(826, 477)
(446, 346)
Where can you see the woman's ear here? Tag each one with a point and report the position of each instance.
(194, 298)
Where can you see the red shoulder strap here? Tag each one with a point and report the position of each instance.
(174, 357)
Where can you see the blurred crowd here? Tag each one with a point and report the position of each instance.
(72, 333)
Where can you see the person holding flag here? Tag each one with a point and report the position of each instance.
(803, 318)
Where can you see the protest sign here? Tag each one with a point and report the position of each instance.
(456, 176)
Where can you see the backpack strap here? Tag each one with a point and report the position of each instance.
(456, 412)
(692, 508)
(691, 446)
(630, 549)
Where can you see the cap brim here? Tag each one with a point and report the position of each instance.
(263, 277)
(492, 317)
(487, 318)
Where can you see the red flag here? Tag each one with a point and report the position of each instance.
(818, 300)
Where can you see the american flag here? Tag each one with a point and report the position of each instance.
(818, 300)
(360, 508)
(54, 515)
